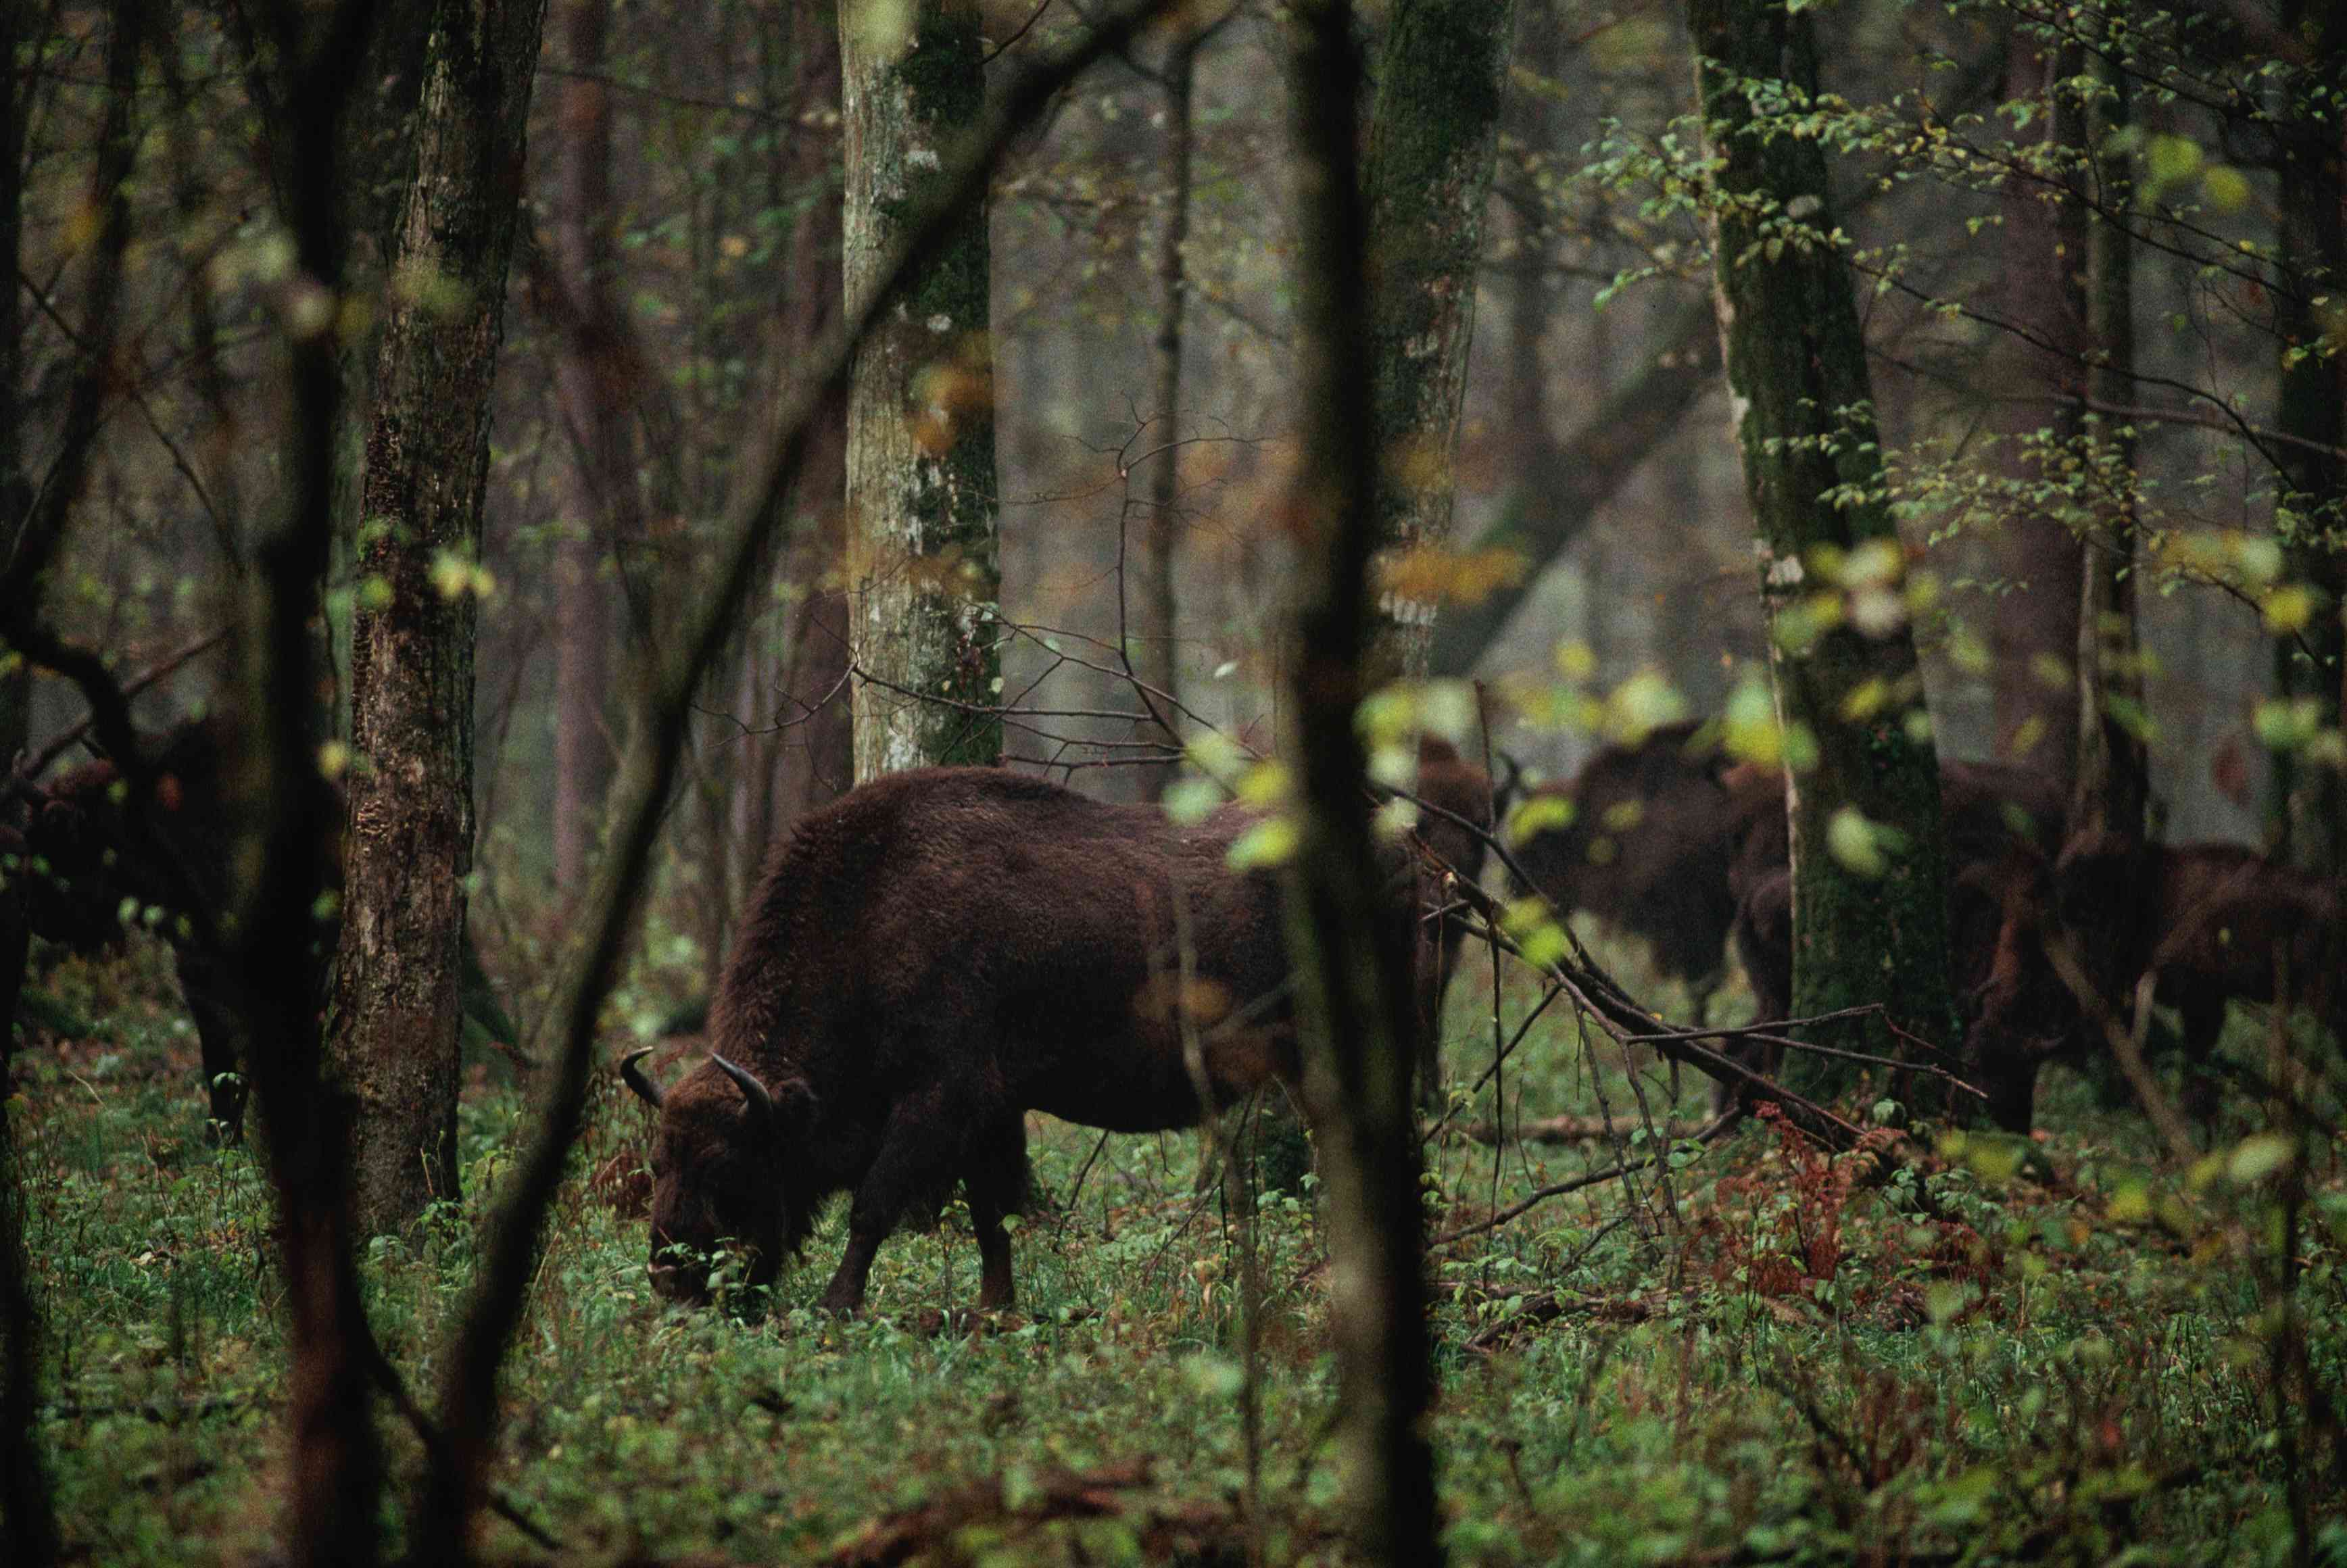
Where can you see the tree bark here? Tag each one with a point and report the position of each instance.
(1152, 642)
(1801, 397)
(1434, 123)
(409, 842)
(2310, 804)
(818, 756)
(1573, 478)
(2039, 288)
(592, 382)
(1351, 959)
(920, 411)
(2104, 877)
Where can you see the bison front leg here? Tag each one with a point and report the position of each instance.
(205, 992)
(924, 1146)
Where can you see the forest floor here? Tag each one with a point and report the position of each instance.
(2026, 1352)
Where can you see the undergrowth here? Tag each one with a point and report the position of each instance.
(1748, 1351)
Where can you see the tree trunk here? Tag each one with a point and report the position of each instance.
(1571, 479)
(2309, 802)
(1869, 913)
(920, 411)
(409, 845)
(1434, 125)
(2105, 876)
(1153, 643)
(1351, 959)
(28, 1536)
(2039, 289)
(592, 383)
(818, 756)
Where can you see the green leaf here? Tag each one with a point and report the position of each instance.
(1271, 842)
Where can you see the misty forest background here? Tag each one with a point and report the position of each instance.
(533, 390)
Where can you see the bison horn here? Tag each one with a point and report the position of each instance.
(633, 1076)
(754, 1090)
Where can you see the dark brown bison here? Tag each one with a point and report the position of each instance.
(2225, 925)
(1988, 807)
(927, 959)
(1654, 833)
(86, 870)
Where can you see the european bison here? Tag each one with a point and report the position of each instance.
(1654, 830)
(1988, 807)
(927, 959)
(84, 864)
(2225, 925)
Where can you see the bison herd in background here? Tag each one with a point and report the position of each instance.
(1671, 841)
(941, 951)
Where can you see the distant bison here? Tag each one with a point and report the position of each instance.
(2226, 924)
(1654, 830)
(926, 959)
(84, 866)
(1987, 808)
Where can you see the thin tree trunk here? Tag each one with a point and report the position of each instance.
(288, 812)
(409, 846)
(2309, 802)
(817, 755)
(591, 380)
(2039, 287)
(920, 413)
(2113, 781)
(1154, 641)
(1573, 478)
(2104, 877)
(1871, 915)
(1434, 123)
(1351, 957)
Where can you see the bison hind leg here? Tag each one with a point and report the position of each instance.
(998, 1181)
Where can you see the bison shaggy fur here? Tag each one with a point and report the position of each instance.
(927, 959)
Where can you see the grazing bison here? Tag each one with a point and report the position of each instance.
(2225, 925)
(1654, 833)
(1988, 808)
(2232, 926)
(927, 959)
(85, 864)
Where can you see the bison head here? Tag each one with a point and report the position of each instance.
(720, 1180)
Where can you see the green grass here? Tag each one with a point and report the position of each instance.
(1785, 1362)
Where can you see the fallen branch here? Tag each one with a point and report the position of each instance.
(1578, 1129)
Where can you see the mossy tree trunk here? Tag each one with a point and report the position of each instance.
(408, 847)
(920, 410)
(2309, 802)
(1434, 125)
(1352, 958)
(1869, 907)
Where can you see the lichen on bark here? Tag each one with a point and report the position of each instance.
(1796, 359)
(1434, 125)
(409, 845)
(925, 617)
